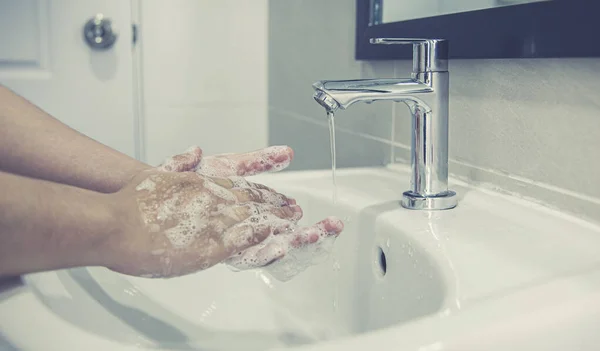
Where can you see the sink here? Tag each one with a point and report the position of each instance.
(497, 272)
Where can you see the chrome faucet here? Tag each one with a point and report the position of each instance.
(426, 95)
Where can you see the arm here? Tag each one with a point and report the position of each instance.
(143, 229)
(35, 144)
(45, 225)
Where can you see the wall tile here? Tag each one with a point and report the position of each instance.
(537, 119)
(310, 141)
(297, 60)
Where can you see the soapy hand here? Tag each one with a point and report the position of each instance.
(290, 252)
(286, 253)
(172, 223)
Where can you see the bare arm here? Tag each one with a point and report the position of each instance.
(144, 228)
(46, 225)
(35, 144)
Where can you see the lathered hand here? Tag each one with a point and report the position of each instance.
(172, 224)
(289, 251)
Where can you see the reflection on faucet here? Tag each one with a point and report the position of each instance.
(426, 94)
(347, 92)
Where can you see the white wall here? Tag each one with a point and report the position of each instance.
(204, 67)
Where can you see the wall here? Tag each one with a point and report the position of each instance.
(528, 126)
(204, 68)
(309, 41)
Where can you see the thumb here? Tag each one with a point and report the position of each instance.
(185, 162)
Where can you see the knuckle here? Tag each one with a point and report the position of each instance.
(256, 195)
(242, 212)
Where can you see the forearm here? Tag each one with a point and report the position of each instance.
(35, 144)
(46, 226)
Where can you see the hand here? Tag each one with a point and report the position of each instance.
(172, 224)
(290, 252)
(270, 159)
(310, 239)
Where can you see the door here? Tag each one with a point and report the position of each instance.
(45, 58)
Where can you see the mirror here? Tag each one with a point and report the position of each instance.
(482, 29)
(388, 11)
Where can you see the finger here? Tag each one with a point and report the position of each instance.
(257, 256)
(260, 196)
(243, 236)
(278, 248)
(231, 216)
(270, 159)
(270, 254)
(240, 182)
(327, 228)
(224, 182)
(247, 234)
(274, 158)
(185, 162)
(271, 215)
(267, 252)
(257, 214)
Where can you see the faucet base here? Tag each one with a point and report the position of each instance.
(442, 201)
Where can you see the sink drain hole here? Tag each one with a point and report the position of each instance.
(382, 261)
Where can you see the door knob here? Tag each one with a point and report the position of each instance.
(99, 32)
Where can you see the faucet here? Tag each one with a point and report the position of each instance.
(426, 95)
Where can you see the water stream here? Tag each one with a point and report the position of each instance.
(331, 119)
(336, 263)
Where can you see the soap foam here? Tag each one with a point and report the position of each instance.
(146, 184)
(247, 231)
(195, 220)
(240, 182)
(216, 166)
(297, 260)
(272, 153)
(165, 211)
(266, 196)
(266, 160)
(237, 236)
(219, 191)
(188, 161)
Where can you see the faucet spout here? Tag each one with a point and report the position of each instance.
(334, 94)
(427, 95)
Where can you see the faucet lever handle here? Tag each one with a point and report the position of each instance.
(429, 55)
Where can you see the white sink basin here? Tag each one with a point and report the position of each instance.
(494, 273)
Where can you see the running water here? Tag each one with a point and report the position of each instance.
(336, 263)
(331, 119)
